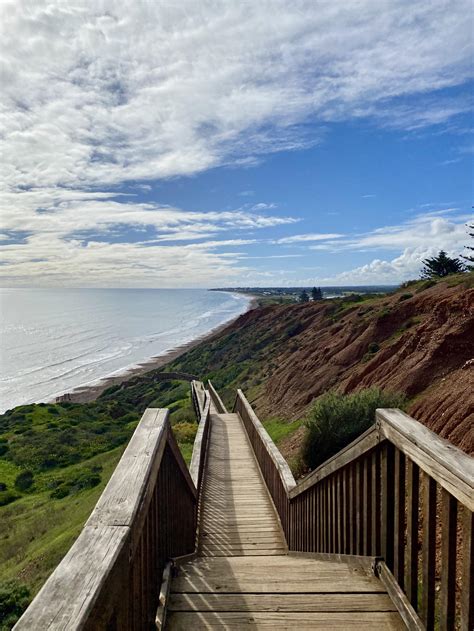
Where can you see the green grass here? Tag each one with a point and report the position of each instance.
(8, 473)
(37, 531)
(186, 451)
(280, 429)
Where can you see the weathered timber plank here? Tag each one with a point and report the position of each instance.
(370, 621)
(97, 561)
(282, 602)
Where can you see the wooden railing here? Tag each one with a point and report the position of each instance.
(274, 468)
(215, 398)
(398, 493)
(198, 458)
(110, 578)
(199, 395)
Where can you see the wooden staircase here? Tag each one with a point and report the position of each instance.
(380, 536)
(243, 576)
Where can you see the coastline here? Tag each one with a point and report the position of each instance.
(87, 394)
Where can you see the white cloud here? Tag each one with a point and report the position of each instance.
(301, 238)
(425, 231)
(95, 95)
(404, 267)
(418, 239)
(134, 90)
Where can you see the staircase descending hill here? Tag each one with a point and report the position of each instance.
(378, 537)
(243, 576)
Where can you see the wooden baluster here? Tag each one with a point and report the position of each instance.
(327, 518)
(316, 518)
(449, 509)
(376, 502)
(413, 495)
(387, 467)
(427, 609)
(360, 506)
(344, 492)
(367, 494)
(399, 521)
(357, 507)
(467, 594)
(352, 530)
(339, 549)
(332, 486)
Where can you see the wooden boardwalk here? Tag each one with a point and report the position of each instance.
(244, 577)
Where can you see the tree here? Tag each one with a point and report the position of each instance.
(316, 293)
(468, 257)
(304, 296)
(441, 266)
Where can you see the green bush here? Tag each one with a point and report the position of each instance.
(405, 297)
(185, 432)
(373, 347)
(24, 481)
(14, 599)
(7, 497)
(337, 419)
(84, 480)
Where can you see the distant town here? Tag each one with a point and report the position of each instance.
(292, 294)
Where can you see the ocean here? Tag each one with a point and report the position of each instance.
(55, 340)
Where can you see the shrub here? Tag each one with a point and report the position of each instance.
(337, 419)
(373, 347)
(7, 497)
(294, 329)
(405, 297)
(14, 599)
(85, 479)
(24, 480)
(185, 432)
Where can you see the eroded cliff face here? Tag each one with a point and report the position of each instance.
(421, 344)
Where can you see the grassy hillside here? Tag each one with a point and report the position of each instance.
(55, 461)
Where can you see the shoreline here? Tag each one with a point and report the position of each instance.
(87, 394)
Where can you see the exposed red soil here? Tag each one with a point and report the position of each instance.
(426, 350)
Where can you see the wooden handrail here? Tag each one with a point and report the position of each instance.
(215, 398)
(361, 445)
(275, 470)
(244, 409)
(196, 467)
(198, 396)
(110, 577)
(449, 466)
(399, 492)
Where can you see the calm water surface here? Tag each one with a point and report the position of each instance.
(54, 340)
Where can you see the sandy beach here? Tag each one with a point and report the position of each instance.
(90, 393)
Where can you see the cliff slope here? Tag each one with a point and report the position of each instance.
(418, 341)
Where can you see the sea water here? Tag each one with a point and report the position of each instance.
(55, 340)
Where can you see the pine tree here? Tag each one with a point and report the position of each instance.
(316, 293)
(441, 266)
(304, 296)
(469, 257)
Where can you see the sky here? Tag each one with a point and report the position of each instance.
(233, 143)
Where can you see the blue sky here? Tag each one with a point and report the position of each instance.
(204, 144)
